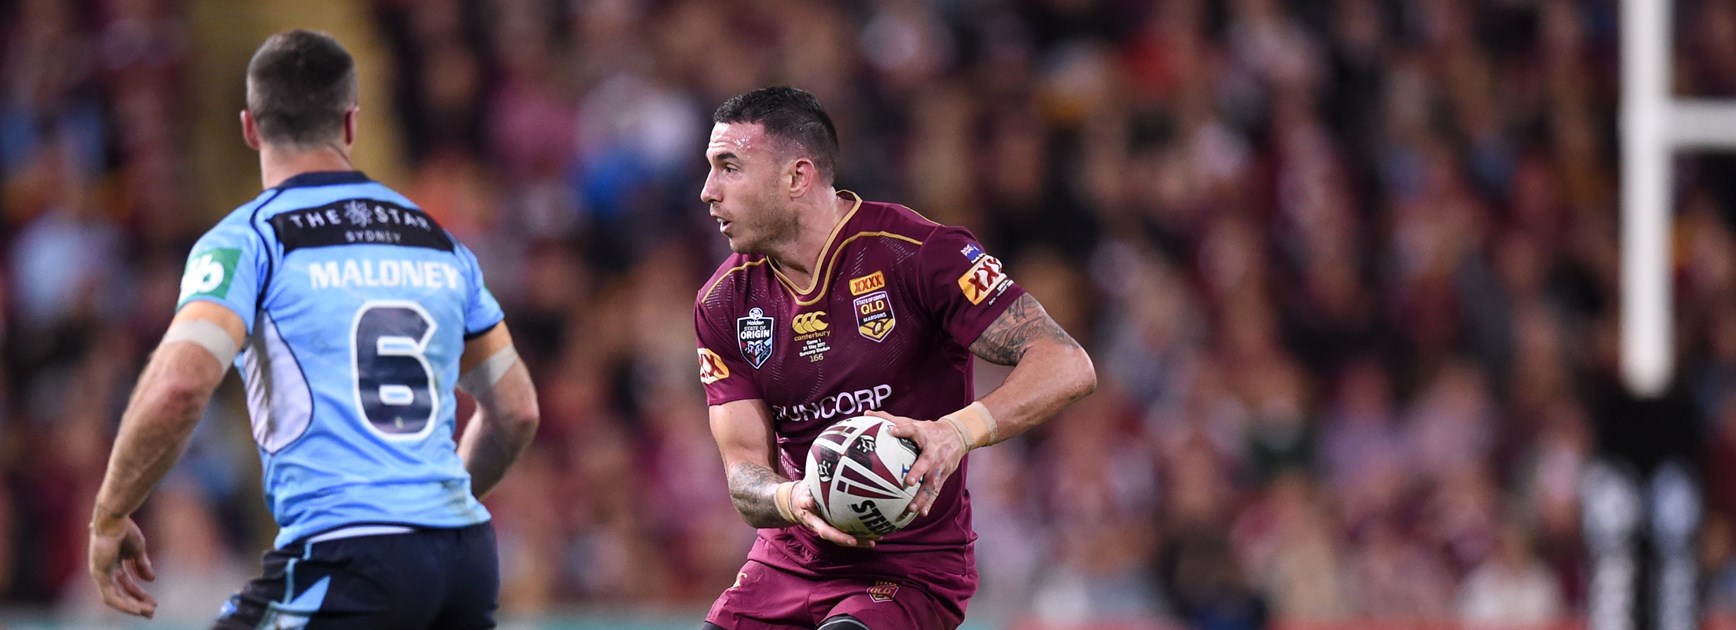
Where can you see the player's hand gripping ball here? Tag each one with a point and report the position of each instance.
(855, 471)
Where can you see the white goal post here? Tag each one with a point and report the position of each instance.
(1653, 125)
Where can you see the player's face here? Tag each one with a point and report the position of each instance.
(742, 189)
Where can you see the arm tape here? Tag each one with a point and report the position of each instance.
(208, 335)
(975, 424)
(488, 372)
(784, 498)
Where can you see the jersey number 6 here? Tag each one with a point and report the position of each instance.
(394, 382)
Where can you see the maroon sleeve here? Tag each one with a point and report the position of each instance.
(721, 369)
(964, 287)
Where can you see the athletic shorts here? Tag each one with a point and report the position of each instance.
(425, 578)
(768, 598)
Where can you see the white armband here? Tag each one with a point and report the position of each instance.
(208, 335)
(489, 372)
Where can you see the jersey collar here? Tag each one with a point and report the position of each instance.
(325, 178)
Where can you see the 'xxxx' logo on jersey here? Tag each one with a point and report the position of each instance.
(867, 283)
(809, 323)
(711, 367)
(983, 278)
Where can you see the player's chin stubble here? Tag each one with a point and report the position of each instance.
(763, 235)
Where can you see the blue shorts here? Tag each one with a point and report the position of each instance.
(427, 578)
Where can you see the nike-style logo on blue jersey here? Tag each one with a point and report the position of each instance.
(357, 306)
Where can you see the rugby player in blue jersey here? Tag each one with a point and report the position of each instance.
(351, 316)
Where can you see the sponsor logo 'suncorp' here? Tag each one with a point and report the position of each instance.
(874, 318)
(754, 333)
(806, 323)
(839, 405)
(882, 591)
(867, 283)
(983, 278)
(711, 367)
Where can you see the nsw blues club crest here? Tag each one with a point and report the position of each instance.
(755, 334)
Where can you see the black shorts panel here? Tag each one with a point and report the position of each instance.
(429, 578)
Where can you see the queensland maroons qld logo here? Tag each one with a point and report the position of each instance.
(755, 334)
(874, 317)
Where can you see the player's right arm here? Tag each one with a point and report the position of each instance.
(213, 315)
(506, 408)
(743, 429)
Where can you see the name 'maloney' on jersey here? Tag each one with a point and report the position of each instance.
(357, 306)
(886, 324)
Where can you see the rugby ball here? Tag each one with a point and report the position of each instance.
(855, 472)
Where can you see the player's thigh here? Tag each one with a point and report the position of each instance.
(764, 598)
(882, 606)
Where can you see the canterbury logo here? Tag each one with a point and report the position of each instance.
(809, 323)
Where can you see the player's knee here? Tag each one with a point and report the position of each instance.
(843, 622)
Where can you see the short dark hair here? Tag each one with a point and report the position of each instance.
(789, 115)
(299, 85)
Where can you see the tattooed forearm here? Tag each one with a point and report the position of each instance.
(1023, 324)
(752, 488)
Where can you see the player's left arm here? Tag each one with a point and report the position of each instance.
(1050, 370)
(171, 394)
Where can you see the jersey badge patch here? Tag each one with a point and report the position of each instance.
(874, 317)
(867, 283)
(971, 252)
(983, 278)
(209, 274)
(755, 334)
(882, 591)
(711, 367)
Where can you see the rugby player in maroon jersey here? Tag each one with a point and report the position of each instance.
(832, 307)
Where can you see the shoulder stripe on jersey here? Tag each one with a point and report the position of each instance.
(826, 248)
(726, 274)
(827, 275)
(265, 244)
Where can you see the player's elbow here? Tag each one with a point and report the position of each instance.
(178, 399)
(520, 418)
(1080, 373)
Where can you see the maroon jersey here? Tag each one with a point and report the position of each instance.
(885, 324)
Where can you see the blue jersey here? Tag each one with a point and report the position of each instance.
(357, 306)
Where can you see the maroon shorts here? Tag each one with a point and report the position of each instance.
(767, 598)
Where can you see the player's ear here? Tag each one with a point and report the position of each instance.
(350, 125)
(801, 176)
(249, 130)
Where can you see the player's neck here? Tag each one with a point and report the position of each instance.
(814, 225)
(277, 164)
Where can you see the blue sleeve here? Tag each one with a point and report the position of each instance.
(481, 311)
(227, 266)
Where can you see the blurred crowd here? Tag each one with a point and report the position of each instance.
(1348, 269)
